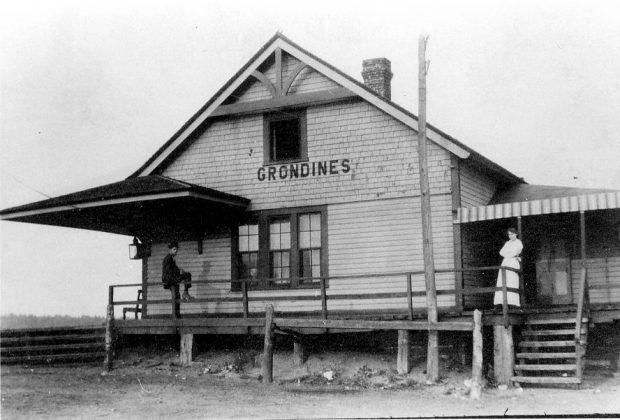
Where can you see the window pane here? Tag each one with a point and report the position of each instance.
(285, 241)
(243, 230)
(304, 240)
(285, 139)
(286, 257)
(286, 272)
(243, 243)
(316, 257)
(315, 239)
(253, 229)
(304, 223)
(253, 243)
(316, 271)
(274, 241)
(274, 227)
(315, 221)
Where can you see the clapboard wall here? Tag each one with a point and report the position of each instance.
(373, 210)
(373, 237)
(477, 189)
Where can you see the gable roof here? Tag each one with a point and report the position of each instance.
(280, 41)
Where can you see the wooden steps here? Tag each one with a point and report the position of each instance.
(548, 352)
(52, 345)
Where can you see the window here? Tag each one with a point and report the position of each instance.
(282, 249)
(309, 247)
(248, 251)
(285, 137)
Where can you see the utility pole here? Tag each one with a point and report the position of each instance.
(432, 359)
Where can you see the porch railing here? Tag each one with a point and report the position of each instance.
(321, 283)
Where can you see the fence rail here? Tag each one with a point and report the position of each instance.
(245, 290)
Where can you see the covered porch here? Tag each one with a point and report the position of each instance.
(562, 234)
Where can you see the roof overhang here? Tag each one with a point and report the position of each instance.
(147, 207)
(552, 205)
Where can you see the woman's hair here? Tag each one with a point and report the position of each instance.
(513, 230)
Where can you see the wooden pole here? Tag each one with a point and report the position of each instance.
(267, 365)
(503, 353)
(476, 363)
(188, 349)
(403, 364)
(299, 356)
(109, 338)
(432, 360)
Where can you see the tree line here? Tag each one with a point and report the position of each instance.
(12, 321)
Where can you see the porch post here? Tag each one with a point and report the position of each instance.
(582, 229)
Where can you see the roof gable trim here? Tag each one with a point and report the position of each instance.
(279, 43)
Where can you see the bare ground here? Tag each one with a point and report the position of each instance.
(226, 384)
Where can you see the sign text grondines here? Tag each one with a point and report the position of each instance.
(304, 169)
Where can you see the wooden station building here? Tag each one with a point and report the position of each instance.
(295, 185)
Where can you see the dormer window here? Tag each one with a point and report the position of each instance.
(285, 137)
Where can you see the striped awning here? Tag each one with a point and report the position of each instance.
(552, 205)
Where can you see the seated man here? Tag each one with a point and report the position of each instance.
(172, 276)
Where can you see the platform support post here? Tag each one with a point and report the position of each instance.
(476, 362)
(299, 354)
(188, 349)
(267, 365)
(403, 362)
(109, 339)
(503, 352)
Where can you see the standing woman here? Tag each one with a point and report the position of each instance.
(511, 251)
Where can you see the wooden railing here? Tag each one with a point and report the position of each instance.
(321, 283)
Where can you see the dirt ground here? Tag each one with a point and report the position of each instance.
(225, 383)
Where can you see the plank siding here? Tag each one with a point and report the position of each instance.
(373, 210)
(603, 274)
(477, 189)
(381, 151)
(385, 237)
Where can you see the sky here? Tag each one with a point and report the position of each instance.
(90, 90)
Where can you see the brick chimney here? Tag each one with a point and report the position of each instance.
(377, 74)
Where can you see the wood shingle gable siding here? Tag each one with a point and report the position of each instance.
(381, 152)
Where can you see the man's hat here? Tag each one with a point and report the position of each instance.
(173, 244)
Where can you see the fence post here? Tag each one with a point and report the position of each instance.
(267, 365)
(476, 363)
(109, 338)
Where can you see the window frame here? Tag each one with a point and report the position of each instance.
(264, 219)
(289, 114)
